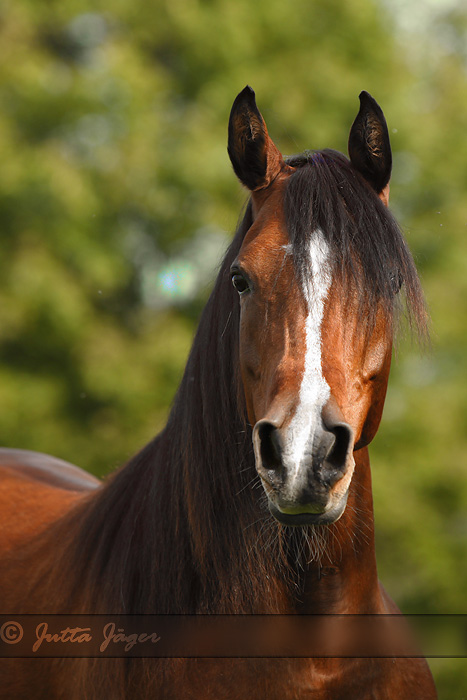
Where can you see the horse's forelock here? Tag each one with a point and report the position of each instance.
(367, 248)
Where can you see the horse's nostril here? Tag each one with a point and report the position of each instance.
(270, 446)
(337, 455)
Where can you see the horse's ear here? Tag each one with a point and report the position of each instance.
(369, 147)
(254, 157)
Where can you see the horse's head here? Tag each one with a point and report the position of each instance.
(317, 274)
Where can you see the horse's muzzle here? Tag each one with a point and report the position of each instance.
(313, 491)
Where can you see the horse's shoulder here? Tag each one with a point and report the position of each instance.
(28, 466)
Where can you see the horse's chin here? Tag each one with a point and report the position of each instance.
(299, 517)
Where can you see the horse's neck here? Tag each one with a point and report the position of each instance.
(345, 580)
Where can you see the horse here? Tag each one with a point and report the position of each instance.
(255, 499)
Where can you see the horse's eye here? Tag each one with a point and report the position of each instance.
(240, 283)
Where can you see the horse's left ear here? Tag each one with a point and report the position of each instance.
(369, 147)
(254, 157)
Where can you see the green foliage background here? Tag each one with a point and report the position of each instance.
(116, 198)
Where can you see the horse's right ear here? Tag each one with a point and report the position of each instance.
(253, 155)
(369, 146)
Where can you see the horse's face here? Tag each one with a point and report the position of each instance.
(314, 377)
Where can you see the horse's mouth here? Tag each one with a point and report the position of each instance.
(299, 517)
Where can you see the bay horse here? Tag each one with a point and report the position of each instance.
(256, 497)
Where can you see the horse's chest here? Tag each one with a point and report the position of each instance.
(281, 679)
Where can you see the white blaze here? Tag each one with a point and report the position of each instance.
(314, 390)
